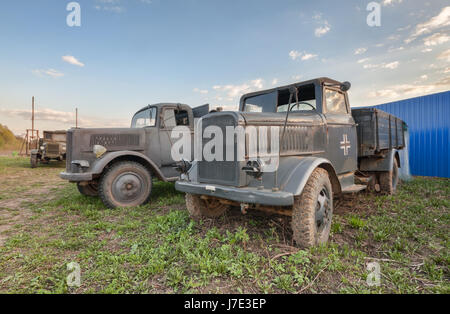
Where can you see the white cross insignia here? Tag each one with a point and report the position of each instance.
(345, 144)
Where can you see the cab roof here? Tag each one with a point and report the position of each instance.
(319, 81)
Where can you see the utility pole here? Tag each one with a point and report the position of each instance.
(32, 117)
(76, 118)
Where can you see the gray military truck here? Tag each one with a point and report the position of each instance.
(119, 164)
(326, 149)
(51, 147)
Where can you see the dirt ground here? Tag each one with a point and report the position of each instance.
(45, 224)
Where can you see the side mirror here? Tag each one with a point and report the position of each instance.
(345, 86)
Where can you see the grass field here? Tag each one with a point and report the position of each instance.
(46, 224)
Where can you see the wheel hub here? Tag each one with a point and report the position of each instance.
(322, 209)
(127, 187)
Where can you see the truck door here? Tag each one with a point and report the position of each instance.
(170, 118)
(342, 140)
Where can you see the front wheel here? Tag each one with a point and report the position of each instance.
(125, 184)
(88, 188)
(313, 211)
(198, 207)
(33, 161)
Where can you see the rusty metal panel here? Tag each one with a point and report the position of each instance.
(428, 119)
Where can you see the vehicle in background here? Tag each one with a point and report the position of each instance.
(326, 150)
(119, 164)
(51, 147)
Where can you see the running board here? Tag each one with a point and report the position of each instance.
(355, 188)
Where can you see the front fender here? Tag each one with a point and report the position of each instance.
(99, 165)
(300, 172)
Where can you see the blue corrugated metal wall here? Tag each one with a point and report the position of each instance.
(428, 119)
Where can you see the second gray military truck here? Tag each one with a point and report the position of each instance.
(120, 164)
(51, 147)
(325, 149)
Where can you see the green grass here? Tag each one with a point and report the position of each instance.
(157, 248)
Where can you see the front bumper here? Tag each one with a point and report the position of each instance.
(76, 177)
(241, 195)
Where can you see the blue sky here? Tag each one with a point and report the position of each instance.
(129, 53)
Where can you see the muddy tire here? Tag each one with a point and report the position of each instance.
(389, 180)
(33, 161)
(90, 189)
(199, 208)
(313, 211)
(125, 184)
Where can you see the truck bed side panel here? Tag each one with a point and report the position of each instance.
(377, 131)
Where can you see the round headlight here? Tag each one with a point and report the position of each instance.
(99, 150)
(42, 147)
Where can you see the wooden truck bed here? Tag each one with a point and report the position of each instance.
(377, 131)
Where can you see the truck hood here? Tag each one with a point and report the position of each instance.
(113, 139)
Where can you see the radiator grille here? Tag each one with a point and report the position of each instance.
(69, 150)
(220, 172)
(53, 149)
(114, 140)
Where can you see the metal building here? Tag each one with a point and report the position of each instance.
(428, 119)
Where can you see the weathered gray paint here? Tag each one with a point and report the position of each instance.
(316, 139)
(149, 145)
(378, 163)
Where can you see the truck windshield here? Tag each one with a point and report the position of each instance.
(261, 103)
(144, 118)
(278, 101)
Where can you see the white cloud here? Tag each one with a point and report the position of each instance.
(427, 50)
(65, 118)
(360, 51)
(410, 90)
(297, 77)
(424, 77)
(391, 2)
(72, 60)
(258, 83)
(396, 49)
(307, 56)
(294, 54)
(364, 60)
(445, 55)
(436, 39)
(390, 66)
(109, 5)
(233, 91)
(322, 30)
(50, 72)
(201, 91)
(275, 81)
(439, 21)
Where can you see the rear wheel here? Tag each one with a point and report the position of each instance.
(88, 188)
(33, 161)
(313, 211)
(199, 207)
(389, 180)
(125, 184)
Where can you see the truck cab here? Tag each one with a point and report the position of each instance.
(306, 143)
(119, 164)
